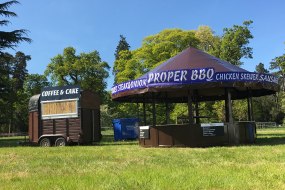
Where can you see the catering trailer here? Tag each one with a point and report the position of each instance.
(64, 115)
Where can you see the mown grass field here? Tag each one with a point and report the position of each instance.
(125, 165)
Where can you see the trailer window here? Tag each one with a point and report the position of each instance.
(59, 109)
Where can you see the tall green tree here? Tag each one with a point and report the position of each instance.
(10, 39)
(6, 62)
(234, 44)
(264, 106)
(34, 83)
(278, 66)
(122, 45)
(20, 71)
(13, 101)
(122, 55)
(12, 73)
(261, 69)
(85, 69)
(207, 38)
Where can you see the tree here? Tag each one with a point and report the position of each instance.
(206, 37)
(34, 83)
(278, 65)
(20, 72)
(162, 46)
(86, 70)
(13, 100)
(12, 74)
(6, 62)
(13, 38)
(233, 44)
(123, 45)
(122, 55)
(260, 68)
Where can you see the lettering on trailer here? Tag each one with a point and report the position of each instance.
(192, 76)
(60, 93)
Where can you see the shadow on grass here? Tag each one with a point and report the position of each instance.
(12, 141)
(271, 140)
(270, 135)
(108, 140)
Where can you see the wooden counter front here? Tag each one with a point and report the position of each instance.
(182, 136)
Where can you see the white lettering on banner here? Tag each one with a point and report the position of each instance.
(268, 78)
(114, 89)
(50, 93)
(72, 91)
(163, 77)
(129, 85)
(150, 77)
(249, 76)
(183, 75)
(170, 76)
(60, 92)
(156, 77)
(202, 74)
(227, 76)
(194, 75)
(176, 76)
(210, 74)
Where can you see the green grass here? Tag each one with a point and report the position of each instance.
(125, 165)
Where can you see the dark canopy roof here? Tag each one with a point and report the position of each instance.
(194, 71)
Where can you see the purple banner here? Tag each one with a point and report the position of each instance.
(193, 76)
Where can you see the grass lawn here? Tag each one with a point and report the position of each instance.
(125, 165)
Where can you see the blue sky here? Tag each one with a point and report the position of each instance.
(89, 25)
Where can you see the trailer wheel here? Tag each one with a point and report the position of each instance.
(60, 141)
(45, 142)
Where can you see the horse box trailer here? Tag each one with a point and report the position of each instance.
(64, 115)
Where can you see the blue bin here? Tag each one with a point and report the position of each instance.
(125, 128)
(250, 131)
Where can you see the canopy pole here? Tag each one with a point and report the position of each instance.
(138, 110)
(190, 109)
(153, 111)
(249, 105)
(197, 114)
(228, 106)
(144, 112)
(167, 110)
(233, 131)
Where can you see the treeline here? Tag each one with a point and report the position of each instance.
(91, 73)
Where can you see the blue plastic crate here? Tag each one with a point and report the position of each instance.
(125, 128)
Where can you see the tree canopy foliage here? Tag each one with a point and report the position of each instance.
(122, 51)
(14, 99)
(10, 39)
(85, 69)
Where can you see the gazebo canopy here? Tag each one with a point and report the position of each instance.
(196, 72)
